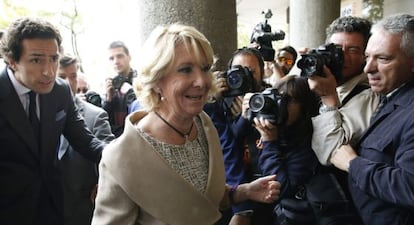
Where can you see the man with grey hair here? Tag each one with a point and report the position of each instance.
(381, 166)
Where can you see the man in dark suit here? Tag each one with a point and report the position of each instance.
(31, 188)
(381, 168)
(80, 175)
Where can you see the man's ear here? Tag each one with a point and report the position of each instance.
(13, 64)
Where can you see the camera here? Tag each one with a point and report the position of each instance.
(270, 105)
(93, 98)
(118, 81)
(329, 55)
(263, 36)
(239, 80)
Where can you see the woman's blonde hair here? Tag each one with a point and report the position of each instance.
(158, 56)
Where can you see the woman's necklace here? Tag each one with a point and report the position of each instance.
(184, 135)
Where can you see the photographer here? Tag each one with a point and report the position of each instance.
(238, 137)
(286, 134)
(347, 102)
(119, 91)
(285, 61)
(308, 194)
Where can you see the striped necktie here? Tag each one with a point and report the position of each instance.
(382, 103)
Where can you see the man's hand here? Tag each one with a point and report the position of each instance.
(325, 87)
(109, 89)
(244, 103)
(220, 84)
(342, 156)
(236, 106)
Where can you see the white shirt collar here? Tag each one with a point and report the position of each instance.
(20, 88)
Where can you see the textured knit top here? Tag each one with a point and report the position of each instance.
(189, 160)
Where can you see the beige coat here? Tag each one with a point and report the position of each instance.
(137, 186)
(345, 125)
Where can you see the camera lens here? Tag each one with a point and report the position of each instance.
(309, 65)
(234, 80)
(256, 103)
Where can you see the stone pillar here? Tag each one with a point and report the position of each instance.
(216, 19)
(398, 6)
(309, 19)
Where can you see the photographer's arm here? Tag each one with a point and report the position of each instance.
(328, 133)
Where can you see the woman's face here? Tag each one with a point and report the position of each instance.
(186, 84)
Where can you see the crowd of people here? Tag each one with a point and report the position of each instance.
(173, 142)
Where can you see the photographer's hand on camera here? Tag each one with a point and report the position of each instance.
(220, 84)
(325, 87)
(267, 130)
(109, 89)
(237, 106)
(277, 71)
(245, 105)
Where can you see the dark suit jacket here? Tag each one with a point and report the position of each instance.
(30, 179)
(382, 179)
(79, 174)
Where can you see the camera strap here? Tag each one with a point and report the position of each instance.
(356, 90)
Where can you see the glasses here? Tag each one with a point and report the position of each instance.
(285, 60)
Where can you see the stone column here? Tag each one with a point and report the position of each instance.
(309, 19)
(216, 19)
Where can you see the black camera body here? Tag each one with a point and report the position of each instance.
(118, 81)
(270, 105)
(93, 98)
(239, 81)
(263, 36)
(330, 55)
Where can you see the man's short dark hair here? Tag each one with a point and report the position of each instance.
(350, 24)
(291, 50)
(26, 28)
(67, 60)
(119, 44)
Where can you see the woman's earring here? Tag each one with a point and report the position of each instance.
(158, 90)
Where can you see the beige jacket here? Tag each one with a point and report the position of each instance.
(137, 186)
(345, 125)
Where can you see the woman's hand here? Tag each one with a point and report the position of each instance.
(267, 130)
